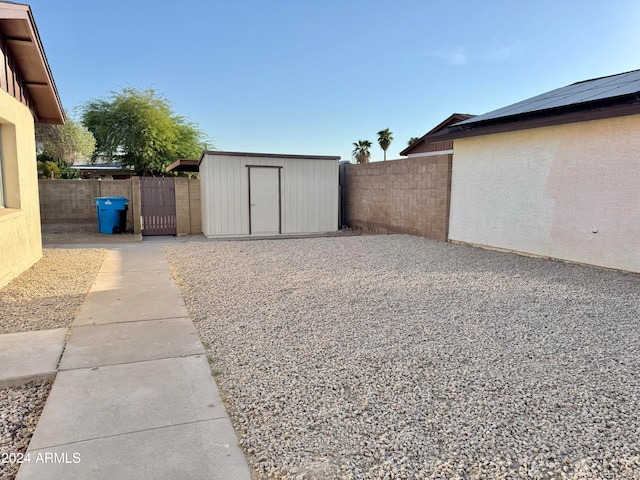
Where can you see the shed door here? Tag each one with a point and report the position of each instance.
(264, 200)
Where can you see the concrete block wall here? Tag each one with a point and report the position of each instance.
(400, 196)
(194, 205)
(67, 200)
(74, 201)
(188, 216)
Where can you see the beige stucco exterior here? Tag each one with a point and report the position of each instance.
(20, 238)
(570, 192)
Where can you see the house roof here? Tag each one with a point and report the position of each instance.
(266, 155)
(599, 98)
(450, 120)
(623, 86)
(184, 165)
(18, 28)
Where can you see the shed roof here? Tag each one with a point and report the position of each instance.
(18, 28)
(183, 165)
(267, 155)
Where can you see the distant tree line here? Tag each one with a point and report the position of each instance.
(361, 152)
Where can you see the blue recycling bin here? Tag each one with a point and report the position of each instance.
(109, 211)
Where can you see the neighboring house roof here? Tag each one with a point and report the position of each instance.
(183, 165)
(89, 170)
(20, 36)
(598, 98)
(422, 145)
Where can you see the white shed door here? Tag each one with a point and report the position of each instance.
(264, 200)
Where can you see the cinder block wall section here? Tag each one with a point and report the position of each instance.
(74, 201)
(188, 216)
(400, 196)
(67, 200)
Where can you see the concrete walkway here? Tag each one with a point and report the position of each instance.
(28, 356)
(134, 396)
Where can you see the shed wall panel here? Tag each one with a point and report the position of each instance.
(309, 194)
(205, 204)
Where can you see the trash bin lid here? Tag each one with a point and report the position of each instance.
(108, 201)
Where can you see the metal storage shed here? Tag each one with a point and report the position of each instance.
(263, 194)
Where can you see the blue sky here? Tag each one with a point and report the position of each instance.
(312, 77)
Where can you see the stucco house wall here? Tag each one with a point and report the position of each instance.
(569, 192)
(27, 94)
(20, 239)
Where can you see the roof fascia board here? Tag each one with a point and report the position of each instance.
(16, 11)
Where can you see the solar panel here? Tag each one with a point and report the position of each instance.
(574, 94)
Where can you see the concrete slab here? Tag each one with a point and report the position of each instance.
(132, 259)
(135, 398)
(130, 297)
(29, 356)
(198, 451)
(86, 404)
(91, 346)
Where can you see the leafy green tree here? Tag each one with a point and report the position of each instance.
(385, 137)
(139, 129)
(48, 169)
(412, 140)
(63, 168)
(68, 143)
(361, 151)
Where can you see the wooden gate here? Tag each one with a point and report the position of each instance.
(158, 205)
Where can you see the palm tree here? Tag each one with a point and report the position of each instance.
(361, 152)
(413, 140)
(385, 137)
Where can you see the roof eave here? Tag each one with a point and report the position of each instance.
(184, 165)
(596, 111)
(31, 62)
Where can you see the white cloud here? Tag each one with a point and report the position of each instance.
(454, 56)
(502, 53)
(457, 56)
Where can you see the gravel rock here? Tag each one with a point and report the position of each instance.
(50, 293)
(46, 296)
(400, 357)
(20, 409)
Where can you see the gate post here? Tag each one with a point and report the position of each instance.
(183, 212)
(135, 204)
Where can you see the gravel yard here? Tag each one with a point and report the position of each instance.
(400, 357)
(46, 296)
(49, 294)
(20, 409)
